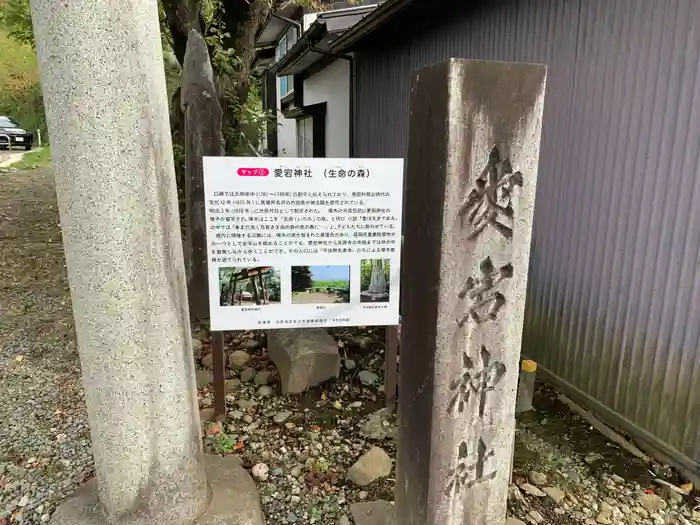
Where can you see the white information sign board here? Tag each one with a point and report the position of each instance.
(303, 242)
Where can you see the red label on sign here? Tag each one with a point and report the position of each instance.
(253, 172)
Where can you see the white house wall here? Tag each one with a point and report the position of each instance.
(332, 85)
(286, 132)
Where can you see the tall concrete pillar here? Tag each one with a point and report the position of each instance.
(105, 96)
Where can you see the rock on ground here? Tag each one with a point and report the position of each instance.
(238, 360)
(373, 513)
(379, 425)
(304, 357)
(204, 378)
(537, 478)
(374, 464)
(531, 490)
(555, 493)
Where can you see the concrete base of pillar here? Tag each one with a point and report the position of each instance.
(234, 499)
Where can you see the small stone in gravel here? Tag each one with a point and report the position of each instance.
(617, 479)
(573, 476)
(355, 404)
(363, 494)
(537, 478)
(555, 493)
(208, 361)
(263, 377)
(367, 378)
(652, 502)
(248, 374)
(592, 458)
(265, 391)
(261, 471)
(603, 518)
(349, 364)
(344, 520)
(363, 341)
(238, 360)
(377, 425)
(232, 384)
(236, 414)
(535, 516)
(291, 517)
(61, 438)
(24, 501)
(282, 416)
(245, 404)
(249, 344)
(204, 377)
(295, 472)
(374, 464)
(515, 495)
(206, 414)
(531, 490)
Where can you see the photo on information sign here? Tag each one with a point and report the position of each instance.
(375, 278)
(320, 284)
(255, 285)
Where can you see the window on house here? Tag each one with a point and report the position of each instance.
(285, 44)
(305, 137)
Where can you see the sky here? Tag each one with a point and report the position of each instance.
(330, 273)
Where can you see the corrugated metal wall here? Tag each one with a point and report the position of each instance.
(614, 295)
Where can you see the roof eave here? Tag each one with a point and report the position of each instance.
(369, 24)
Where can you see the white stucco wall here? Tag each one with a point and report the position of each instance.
(332, 85)
(286, 132)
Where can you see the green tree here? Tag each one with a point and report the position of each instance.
(16, 16)
(301, 278)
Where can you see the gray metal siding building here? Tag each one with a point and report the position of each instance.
(613, 308)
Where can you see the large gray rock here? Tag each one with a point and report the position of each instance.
(304, 357)
(373, 513)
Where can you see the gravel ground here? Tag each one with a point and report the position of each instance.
(299, 449)
(44, 439)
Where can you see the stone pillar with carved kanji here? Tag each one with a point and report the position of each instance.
(472, 162)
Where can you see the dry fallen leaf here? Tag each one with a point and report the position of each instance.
(19, 358)
(214, 429)
(239, 446)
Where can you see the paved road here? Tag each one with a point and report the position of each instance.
(8, 157)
